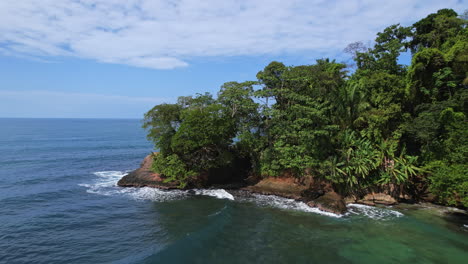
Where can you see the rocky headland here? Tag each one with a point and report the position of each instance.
(143, 176)
(315, 193)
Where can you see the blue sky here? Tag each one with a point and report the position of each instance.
(118, 58)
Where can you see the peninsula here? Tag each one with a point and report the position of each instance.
(373, 131)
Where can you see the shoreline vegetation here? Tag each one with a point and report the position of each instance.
(374, 132)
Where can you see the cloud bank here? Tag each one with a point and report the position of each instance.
(166, 34)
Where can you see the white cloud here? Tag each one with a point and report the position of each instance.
(39, 103)
(166, 34)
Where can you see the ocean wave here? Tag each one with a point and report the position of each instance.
(103, 184)
(153, 194)
(111, 174)
(217, 193)
(376, 213)
(286, 204)
(106, 184)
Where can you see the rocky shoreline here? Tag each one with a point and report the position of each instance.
(144, 177)
(317, 194)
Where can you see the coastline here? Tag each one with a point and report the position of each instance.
(315, 194)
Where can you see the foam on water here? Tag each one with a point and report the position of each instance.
(106, 184)
(111, 174)
(218, 193)
(154, 194)
(286, 204)
(103, 185)
(372, 212)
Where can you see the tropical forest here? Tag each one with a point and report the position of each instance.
(374, 123)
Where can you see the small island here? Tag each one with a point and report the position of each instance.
(375, 131)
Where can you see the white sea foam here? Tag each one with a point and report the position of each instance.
(103, 185)
(218, 193)
(111, 174)
(154, 194)
(106, 184)
(287, 204)
(372, 212)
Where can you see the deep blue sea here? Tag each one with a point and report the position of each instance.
(59, 203)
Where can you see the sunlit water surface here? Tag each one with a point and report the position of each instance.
(59, 203)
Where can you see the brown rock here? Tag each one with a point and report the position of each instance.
(429, 197)
(143, 176)
(378, 198)
(312, 194)
(350, 199)
(329, 202)
(366, 202)
(285, 186)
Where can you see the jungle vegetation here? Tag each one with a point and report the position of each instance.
(374, 123)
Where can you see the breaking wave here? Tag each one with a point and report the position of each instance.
(217, 193)
(286, 204)
(103, 185)
(372, 212)
(106, 184)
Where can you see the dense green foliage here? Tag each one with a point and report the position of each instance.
(378, 124)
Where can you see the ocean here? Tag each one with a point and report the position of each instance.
(59, 203)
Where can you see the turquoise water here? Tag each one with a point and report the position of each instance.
(59, 204)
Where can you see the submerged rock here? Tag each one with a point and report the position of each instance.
(329, 202)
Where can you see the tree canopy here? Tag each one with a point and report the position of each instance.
(382, 123)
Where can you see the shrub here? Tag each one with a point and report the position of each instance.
(450, 183)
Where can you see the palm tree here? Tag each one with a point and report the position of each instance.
(351, 103)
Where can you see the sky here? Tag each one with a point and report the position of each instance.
(119, 58)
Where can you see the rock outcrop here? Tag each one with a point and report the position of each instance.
(280, 186)
(314, 193)
(350, 199)
(143, 176)
(329, 202)
(377, 198)
(225, 177)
